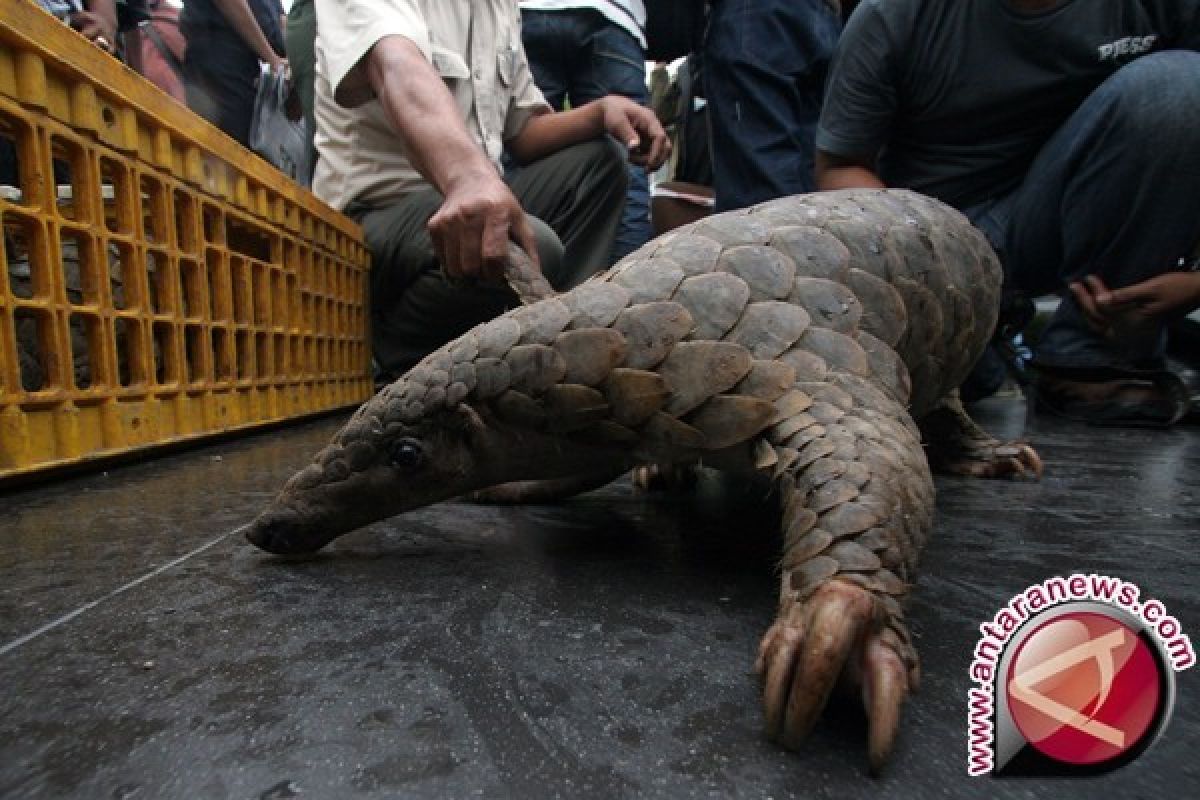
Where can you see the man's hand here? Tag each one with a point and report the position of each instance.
(637, 128)
(1165, 295)
(470, 231)
(239, 16)
(478, 215)
(98, 27)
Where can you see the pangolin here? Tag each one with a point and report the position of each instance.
(801, 339)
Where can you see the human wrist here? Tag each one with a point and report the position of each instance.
(598, 121)
(1193, 293)
(462, 173)
(266, 53)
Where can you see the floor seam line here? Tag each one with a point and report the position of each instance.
(88, 606)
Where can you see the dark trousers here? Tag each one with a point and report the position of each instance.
(1112, 193)
(573, 200)
(219, 73)
(577, 56)
(765, 63)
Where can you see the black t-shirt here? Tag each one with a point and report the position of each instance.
(956, 97)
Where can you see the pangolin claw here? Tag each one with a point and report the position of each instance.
(993, 460)
(1031, 460)
(663, 477)
(885, 685)
(834, 634)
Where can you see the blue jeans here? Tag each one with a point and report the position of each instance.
(764, 77)
(1112, 193)
(578, 55)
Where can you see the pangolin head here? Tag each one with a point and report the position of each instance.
(393, 455)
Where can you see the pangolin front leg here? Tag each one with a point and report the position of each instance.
(858, 502)
(547, 491)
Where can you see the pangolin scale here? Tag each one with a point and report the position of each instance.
(801, 339)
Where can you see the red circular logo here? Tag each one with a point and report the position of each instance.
(1084, 688)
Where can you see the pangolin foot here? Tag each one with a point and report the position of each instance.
(990, 458)
(836, 633)
(955, 445)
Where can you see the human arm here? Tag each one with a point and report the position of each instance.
(633, 125)
(859, 108)
(840, 172)
(1163, 296)
(471, 229)
(241, 19)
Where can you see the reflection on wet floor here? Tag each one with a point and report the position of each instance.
(597, 648)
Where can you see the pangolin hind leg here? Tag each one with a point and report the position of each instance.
(956, 445)
(858, 504)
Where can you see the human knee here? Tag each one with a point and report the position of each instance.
(1163, 70)
(1158, 95)
(606, 159)
(607, 153)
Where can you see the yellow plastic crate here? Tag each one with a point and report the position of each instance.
(161, 282)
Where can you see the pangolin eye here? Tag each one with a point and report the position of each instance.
(407, 453)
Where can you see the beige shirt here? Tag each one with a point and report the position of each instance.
(475, 45)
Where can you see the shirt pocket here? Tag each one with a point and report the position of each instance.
(506, 64)
(450, 65)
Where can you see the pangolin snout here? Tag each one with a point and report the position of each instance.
(284, 533)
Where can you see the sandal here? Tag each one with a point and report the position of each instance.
(1113, 397)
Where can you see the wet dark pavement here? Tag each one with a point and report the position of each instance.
(599, 648)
